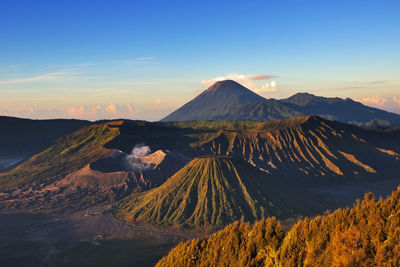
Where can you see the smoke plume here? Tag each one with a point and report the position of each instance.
(134, 158)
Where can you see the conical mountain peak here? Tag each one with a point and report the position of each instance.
(217, 99)
(214, 191)
(226, 85)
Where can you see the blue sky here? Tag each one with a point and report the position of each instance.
(141, 60)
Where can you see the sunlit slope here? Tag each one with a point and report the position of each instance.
(214, 191)
(299, 147)
(366, 235)
(67, 155)
(309, 146)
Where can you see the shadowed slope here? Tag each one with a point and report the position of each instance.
(68, 154)
(344, 110)
(269, 109)
(213, 191)
(217, 99)
(21, 138)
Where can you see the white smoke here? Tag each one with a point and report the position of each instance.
(140, 151)
(134, 158)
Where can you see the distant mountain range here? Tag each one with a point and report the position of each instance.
(228, 155)
(96, 165)
(200, 172)
(228, 100)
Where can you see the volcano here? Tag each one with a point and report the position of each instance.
(217, 99)
(228, 100)
(214, 191)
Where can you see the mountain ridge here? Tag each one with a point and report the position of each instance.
(309, 150)
(261, 109)
(21, 137)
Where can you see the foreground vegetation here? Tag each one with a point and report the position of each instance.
(366, 235)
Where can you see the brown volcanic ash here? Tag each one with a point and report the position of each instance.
(100, 183)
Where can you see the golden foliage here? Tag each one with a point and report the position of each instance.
(366, 235)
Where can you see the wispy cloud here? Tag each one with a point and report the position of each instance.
(390, 103)
(138, 83)
(396, 100)
(79, 71)
(266, 88)
(345, 88)
(376, 101)
(132, 61)
(52, 76)
(376, 82)
(251, 81)
(110, 111)
(359, 85)
(238, 78)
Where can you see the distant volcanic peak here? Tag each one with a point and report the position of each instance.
(215, 101)
(230, 88)
(226, 84)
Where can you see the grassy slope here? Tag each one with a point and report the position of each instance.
(213, 192)
(68, 154)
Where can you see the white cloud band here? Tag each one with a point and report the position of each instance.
(250, 81)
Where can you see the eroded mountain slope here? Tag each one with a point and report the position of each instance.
(309, 146)
(92, 162)
(214, 191)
